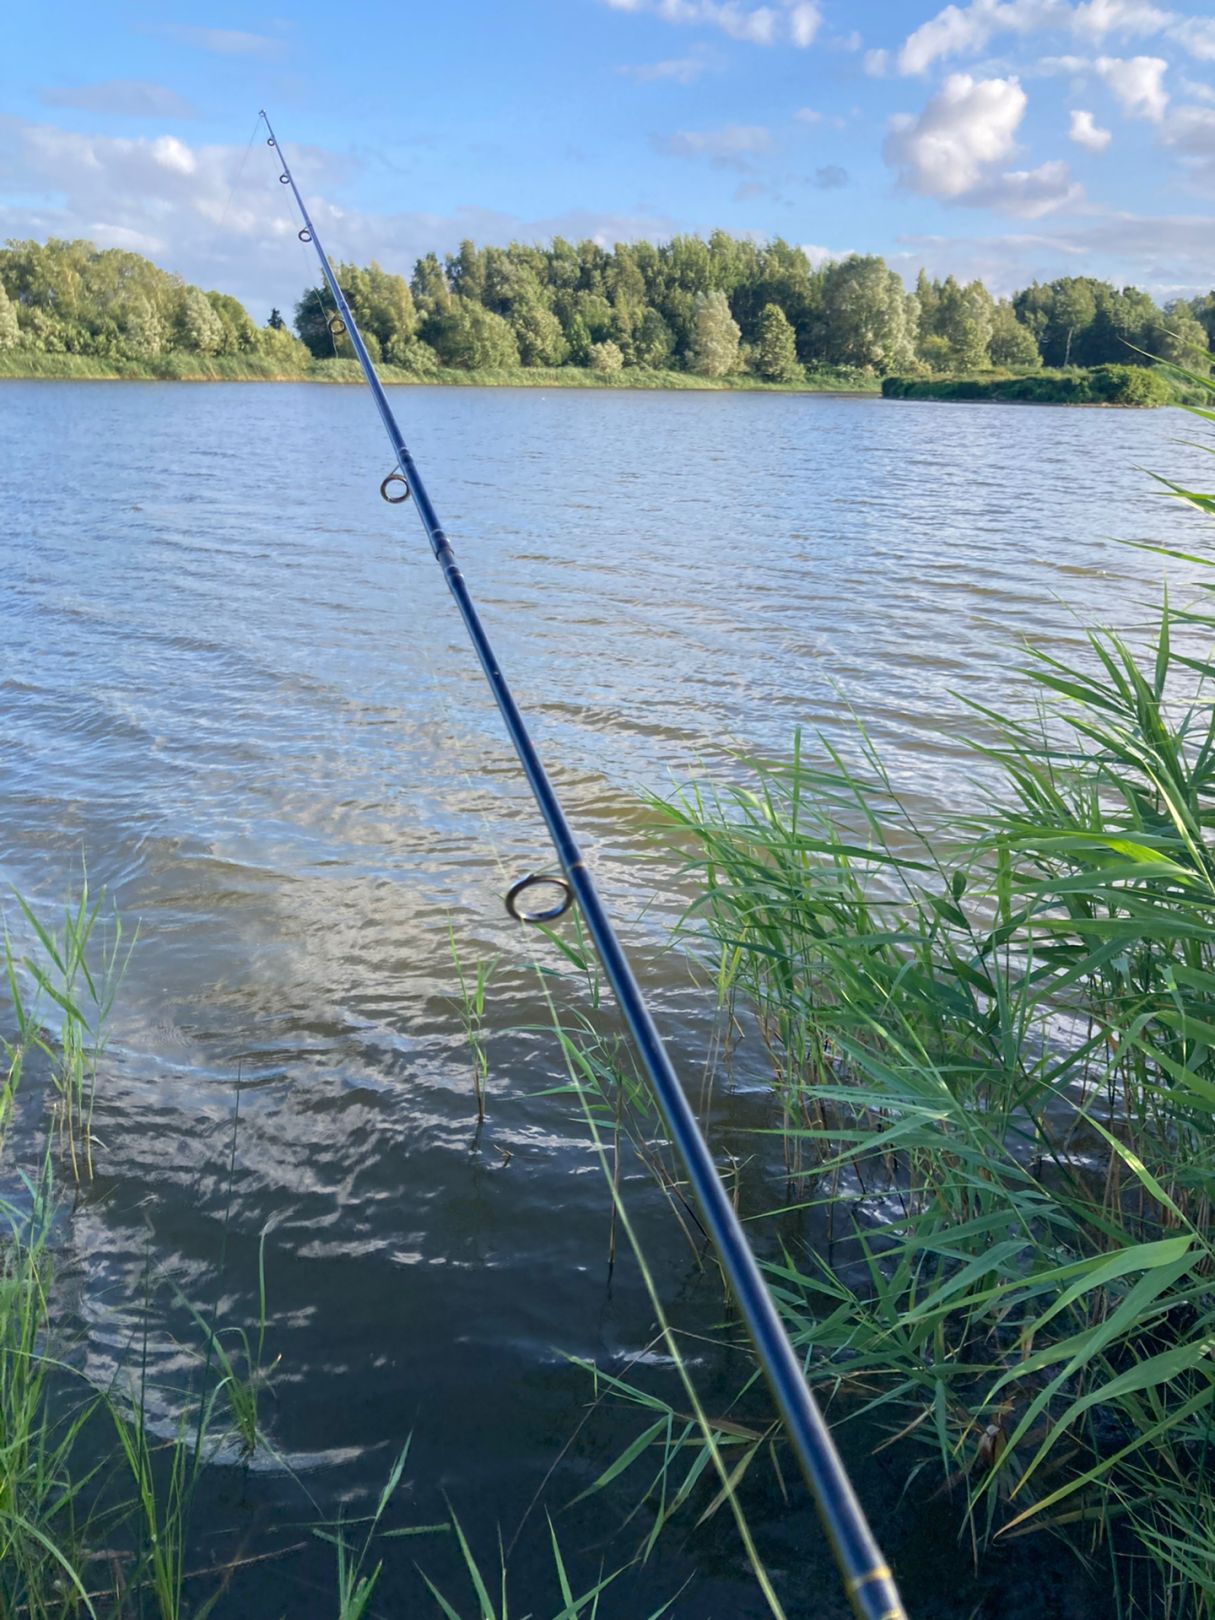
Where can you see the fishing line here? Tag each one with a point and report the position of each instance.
(867, 1579)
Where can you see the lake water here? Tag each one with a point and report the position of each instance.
(233, 684)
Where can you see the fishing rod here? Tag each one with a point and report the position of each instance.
(868, 1580)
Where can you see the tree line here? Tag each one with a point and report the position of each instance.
(718, 307)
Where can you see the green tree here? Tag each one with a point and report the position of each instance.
(1184, 338)
(776, 353)
(1011, 346)
(239, 332)
(466, 272)
(867, 318)
(472, 337)
(10, 332)
(715, 336)
(1203, 311)
(579, 340)
(964, 318)
(607, 357)
(428, 284)
(142, 333)
(197, 328)
(1074, 309)
(538, 334)
(652, 340)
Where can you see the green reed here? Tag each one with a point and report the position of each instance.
(1003, 1029)
(473, 987)
(74, 984)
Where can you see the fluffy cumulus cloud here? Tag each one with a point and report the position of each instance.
(1086, 132)
(793, 22)
(217, 220)
(957, 146)
(969, 125)
(1137, 83)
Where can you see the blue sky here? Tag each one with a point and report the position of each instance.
(1010, 139)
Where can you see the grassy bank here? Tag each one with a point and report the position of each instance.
(991, 1045)
(18, 365)
(1095, 385)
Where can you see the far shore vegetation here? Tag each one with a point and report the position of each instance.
(689, 313)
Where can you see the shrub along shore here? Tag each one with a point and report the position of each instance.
(22, 366)
(1079, 385)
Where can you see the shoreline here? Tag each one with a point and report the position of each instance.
(1122, 387)
(82, 368)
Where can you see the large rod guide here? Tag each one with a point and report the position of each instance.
(869, 1583)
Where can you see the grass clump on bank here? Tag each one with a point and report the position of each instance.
(992, 1045)
(1078, 385)
(27, 365)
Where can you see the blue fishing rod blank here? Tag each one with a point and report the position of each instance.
(869, 1583)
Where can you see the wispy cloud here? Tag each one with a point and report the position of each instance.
(1168, 254)
(789, 22)
(830, 177)
(734, 147)
(675, 70)
(969, 29)
(223, 41)
(120, 98)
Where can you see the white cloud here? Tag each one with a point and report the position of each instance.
(1192, 129)
(734, 147)
(1138, 84)
(954, 150)
(1168, 255)
(968, 125)
(1191, 132)
(1028, 193)
(818, 255)
(804, 21)
(968, 29)
(678, 70)
(121, 98)
(808, 115)
(1086, 132)
(794, 22)
(877, 64)
(1197, 36)
(963, 30)
(1135, 18)
(224, 41)
(217, 220)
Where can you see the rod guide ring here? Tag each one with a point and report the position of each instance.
(284, 179)
(543, 913)
(270, 141)
(337, 326)
(395, 500)
(305, 235)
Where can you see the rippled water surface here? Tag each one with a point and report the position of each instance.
(232, 682)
